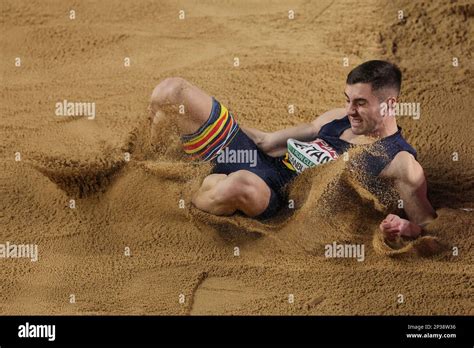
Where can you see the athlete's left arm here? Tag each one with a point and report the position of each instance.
(410, 183)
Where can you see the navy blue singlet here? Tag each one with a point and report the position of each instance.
(387, 148)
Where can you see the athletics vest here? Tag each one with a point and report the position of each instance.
(328, 146)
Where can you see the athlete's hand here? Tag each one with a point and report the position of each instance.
(265, 141)
(260, 138)
(270, 145)
(393, 226)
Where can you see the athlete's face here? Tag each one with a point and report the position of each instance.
(363, 109)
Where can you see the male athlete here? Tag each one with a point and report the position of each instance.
(255, 188)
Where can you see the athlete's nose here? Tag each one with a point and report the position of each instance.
(350, 109)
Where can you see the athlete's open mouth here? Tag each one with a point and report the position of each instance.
(355, 121)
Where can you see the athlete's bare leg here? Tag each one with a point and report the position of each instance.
(175, 94)
(219, 194)
(222, 194)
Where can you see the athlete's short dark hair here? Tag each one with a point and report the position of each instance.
(380, 74)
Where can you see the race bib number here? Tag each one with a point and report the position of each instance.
(304, 155)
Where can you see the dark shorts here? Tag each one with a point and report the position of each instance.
(221, 141)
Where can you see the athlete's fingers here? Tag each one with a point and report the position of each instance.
(392, 231)
(390, 225)
(387, 220)
(391, 217)
(389, 230)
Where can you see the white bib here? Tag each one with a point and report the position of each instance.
(303, 155)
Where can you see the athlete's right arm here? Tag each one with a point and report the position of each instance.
(274, 144)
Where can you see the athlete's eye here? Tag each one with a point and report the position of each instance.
(361, 103)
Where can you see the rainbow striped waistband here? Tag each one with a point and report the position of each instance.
(212, 136)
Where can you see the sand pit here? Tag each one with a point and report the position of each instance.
(111, 212)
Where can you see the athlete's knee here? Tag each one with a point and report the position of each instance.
(240, 190)
(168, 91)
(225, 192)
(228, 190)
(249, 190)
(218, 199)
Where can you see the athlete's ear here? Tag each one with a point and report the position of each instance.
(392, 102)
(384, 108)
